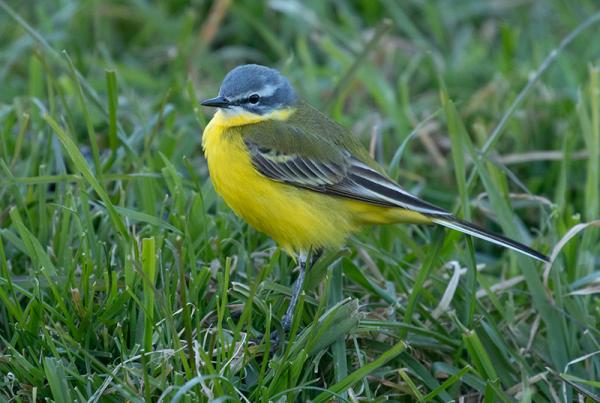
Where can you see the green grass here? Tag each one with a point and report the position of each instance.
(124, 276)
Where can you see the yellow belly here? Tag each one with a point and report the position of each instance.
(297, 219)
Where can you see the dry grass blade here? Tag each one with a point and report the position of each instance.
(560, 245)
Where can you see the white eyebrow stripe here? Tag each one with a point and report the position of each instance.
(267, 90)
(264, 92)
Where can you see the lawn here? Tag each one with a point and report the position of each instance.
(123, 276)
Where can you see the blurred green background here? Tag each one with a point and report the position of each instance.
(113, 242)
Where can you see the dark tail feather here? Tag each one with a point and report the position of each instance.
(478, 232)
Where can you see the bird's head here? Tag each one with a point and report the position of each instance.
(253, 91)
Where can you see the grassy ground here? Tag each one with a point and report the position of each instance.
(123, 276)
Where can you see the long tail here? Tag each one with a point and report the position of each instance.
(476, 231)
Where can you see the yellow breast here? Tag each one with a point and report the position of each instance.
(296, 219)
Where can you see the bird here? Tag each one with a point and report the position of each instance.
(298, 176)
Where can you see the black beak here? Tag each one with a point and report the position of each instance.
(217, 102)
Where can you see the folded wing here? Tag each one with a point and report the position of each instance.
(351, 178)
(292, 156)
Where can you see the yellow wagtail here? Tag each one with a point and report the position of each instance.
(298, 176)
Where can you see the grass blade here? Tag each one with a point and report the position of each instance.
(360, 373)
(86, 172)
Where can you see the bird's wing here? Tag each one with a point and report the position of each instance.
(321, 157)
(293, 156)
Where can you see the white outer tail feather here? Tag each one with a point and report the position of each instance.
(471, 229)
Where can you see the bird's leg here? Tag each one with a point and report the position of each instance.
(296, 290)
(305, 261)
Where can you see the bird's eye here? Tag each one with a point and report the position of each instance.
(254, 98)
